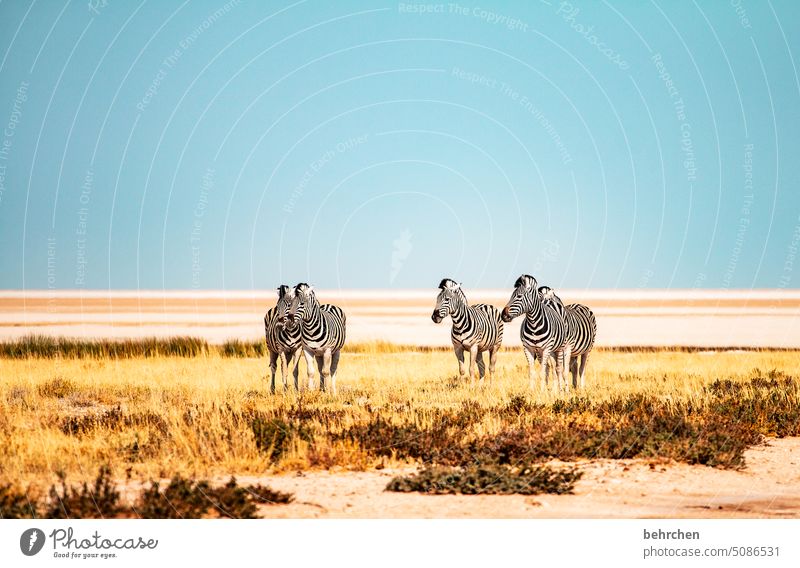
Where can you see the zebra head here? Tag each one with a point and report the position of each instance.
(303, 298)
(285, 298)
(523, 298)
(448, 299)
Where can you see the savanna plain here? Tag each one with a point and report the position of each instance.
(181, 428)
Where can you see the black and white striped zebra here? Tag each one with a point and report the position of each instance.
(322, 331)
(581, 332)
(283, 341)
(543, 332)
(476, 328)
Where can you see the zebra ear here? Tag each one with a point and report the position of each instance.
(310, 288)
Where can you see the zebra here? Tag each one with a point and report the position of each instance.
(322, 331)
(543, 332)
(476, 328)
(581, 333)
(283, 341)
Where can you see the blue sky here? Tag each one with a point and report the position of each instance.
(238, 145)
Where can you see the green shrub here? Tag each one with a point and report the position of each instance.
(181, 499)
(189, 499)
(488, 480)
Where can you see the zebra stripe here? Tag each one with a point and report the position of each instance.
(475, 329)
(543, 332)
(581, 332)
(322, 331)
(284, 341)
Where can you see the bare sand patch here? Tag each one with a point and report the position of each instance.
(768, 487)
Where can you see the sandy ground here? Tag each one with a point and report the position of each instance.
(768, 487)
(712, 318)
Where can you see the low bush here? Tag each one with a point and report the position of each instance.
(100, 501)
(488, 480)
(714, 431)
(275, 436)
(189, 499)
(15, 504)
(181, 499)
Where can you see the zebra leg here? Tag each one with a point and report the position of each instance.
(562, 368)
(545, 354)
(481, 366)
(334, 366)
(573, 369)
(473, 362)
(492, 361)
(561, 380)
(321, 374)
(284, 357)
(294, 367)
(530, 355)
(273, 367)
(325, 371)
(309, 367)
(562, 364)
(460, 357)
(582, 372)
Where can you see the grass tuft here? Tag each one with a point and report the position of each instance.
(46, 347)
(211, 416)
(57, 387)
(238, 348)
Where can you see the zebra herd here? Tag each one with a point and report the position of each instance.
(551, 329)
(299, 324)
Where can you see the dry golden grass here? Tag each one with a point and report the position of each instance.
(161, 416)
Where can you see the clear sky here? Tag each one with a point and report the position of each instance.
(238, 145)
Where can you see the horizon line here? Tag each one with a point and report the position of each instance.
(688, 293)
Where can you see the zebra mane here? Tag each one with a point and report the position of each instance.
(449, 283)
(549, 295)
(525, 280)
